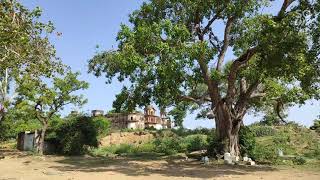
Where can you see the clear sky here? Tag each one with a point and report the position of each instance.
(85, 24)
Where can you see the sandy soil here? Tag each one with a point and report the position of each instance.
(19, 166)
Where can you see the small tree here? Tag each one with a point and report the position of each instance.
(316, 125)
(48, 101)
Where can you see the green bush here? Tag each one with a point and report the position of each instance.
(265, 153)
(123, 149)
(299, 160)
(314, 151)
(102, 125)
(103, 151)
(146, 148)
(316, 126)
(168, 143)
(247, 141)
(282, 140)
(195, 142)
(186, 132)
(261, 131)
(76, 134)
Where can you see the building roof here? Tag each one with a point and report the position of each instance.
(150, 107)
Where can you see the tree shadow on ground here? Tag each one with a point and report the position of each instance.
(142, 167)
(13, 153)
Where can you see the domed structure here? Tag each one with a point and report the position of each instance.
(150, 107)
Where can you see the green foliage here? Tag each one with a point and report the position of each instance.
(292, 139)
(18, 119)
(44, 101)
(102, 125)
(299, 160)
(247, 141)
(25, 48)
(316, 126)
(76, 134)
(314, 152)
(170, 51)
(214, 147)
(265, 153)
(24, 43)
(167, 143)
(195, 142)
(124, 149)
(185, 132)
(261, 131)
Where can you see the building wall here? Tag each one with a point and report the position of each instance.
(138, 120)
(131, 121)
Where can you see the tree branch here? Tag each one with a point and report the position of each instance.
(210, 22)
(212, 86)
(243, 59)
(225, 42)
(285, 5)
(236, 65)
(197, 100)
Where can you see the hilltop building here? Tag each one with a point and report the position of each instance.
(138, 120)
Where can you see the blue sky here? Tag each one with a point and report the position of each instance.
(85, 24)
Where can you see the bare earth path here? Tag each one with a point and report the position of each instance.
(18, 166)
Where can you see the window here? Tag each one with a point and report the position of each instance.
(131, 118)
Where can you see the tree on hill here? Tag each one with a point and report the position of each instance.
(47, 99)
(316, 125)
(174, 55)
(24, 48)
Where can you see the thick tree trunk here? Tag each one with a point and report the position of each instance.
(40, 146)
(227, 131)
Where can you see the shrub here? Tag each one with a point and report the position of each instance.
(125, 149)
(214, 147)
(195, 142)
(103, 151)
(186, 132)
(247, 141)
(299, 160)
(102, 125)
(314, 151)
(150, 128)
(168, 143)
(76, 134)
(146, 148)
(265, 153)
(281, 140)
(316, 126)
(261, 131)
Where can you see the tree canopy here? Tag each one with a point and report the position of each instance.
(24, 47)
(172, 53)
(228, 57)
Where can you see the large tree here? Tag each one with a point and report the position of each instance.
(47, 98)
(24, 47)
(227, 57)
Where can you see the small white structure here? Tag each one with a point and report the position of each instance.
(158, 126)
(227, 158)
(245, 159)
(28, 141)
(132, 125)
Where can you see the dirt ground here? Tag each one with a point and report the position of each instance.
(19, 166)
